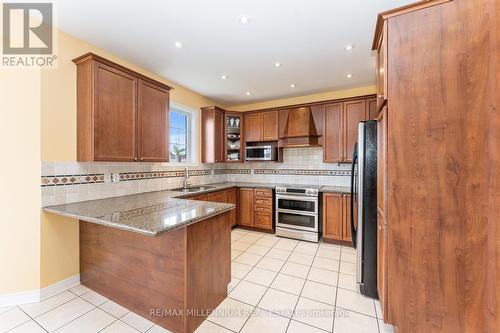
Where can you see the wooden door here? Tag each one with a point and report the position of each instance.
(246, 207)
(231, 198)
(354, 112)
(371, 104)
(115, 103)
(253, 126)
(332, 216)
(332, 145)
(219, 137)
(270, 125)
(153, 104)
(346, 222)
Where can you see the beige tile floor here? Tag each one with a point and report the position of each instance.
(278, 285)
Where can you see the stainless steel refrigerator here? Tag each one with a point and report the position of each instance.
(364, 193)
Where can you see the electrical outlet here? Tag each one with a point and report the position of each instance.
(115, 177)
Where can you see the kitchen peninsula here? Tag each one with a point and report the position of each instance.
(165, 258)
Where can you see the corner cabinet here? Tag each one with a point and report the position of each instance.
(212, 134)
(121, 115)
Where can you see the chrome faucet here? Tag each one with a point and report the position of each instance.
(186, 176)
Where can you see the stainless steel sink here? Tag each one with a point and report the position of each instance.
(193, 189)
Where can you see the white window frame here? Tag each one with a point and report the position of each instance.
(192, 132)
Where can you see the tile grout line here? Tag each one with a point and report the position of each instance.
(27, 321)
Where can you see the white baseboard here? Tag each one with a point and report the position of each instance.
(39, 294)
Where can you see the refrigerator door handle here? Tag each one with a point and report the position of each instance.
(361, 176)
(353, 193)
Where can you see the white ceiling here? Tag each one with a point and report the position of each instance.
(306, 36)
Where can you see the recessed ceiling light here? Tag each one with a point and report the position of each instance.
(244, 20)
(224, 77)
(248, 93)
(277, 64)
(349, 76)
(178, 45)
(348, 47)
(292, 85)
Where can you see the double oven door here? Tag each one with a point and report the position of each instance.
(297, 212)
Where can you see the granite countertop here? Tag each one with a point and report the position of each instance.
(155, 213)
(152, 213)
(336, 189)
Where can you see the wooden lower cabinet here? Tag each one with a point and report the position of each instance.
(225, 196)
(232, 198)
(337, 217)
(245, 208)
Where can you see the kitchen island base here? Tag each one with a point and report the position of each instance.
(174, 279)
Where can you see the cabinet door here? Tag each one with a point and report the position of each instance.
(253, 127)
(346, 223)
(371, 104)
(354, 112)
(332, 145)
(270, 125)
(332, 216)
(115, 137)
(153, 122)
(246, 207)
(219, 196)
(231, 198)
(219, 136)
(200, 197)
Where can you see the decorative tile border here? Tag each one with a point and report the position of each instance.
(302, 172)
(128, 176)
(233, 171)
(65, 180)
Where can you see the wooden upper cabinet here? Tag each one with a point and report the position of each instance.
(212, 133)
(354, 112)
(332, 216)
(253, 127)
(262, 126)
(113, 104)
(372, 113)
(246, 206)
(115, 114)
(380, 75)
(153, 103)
(270, 125)
(333, 137)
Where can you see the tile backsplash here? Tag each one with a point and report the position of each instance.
(64, 182)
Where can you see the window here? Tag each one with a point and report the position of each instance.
(180, 145)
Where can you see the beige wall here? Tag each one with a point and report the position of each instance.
(336, 94)
(20, 184)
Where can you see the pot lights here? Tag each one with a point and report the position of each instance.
(248, 93)
(244, 20)
(292, 85)
(178, 45)
(348, 47)
(224, 77)
(277, 64)
(348, 76)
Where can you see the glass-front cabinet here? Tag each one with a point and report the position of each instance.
(233, 137)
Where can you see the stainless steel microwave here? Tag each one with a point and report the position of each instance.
(260, 153)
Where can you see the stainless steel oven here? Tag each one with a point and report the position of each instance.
(297, 213)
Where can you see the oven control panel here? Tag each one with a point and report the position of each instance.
(297, 191)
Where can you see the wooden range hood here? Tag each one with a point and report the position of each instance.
(300, 129)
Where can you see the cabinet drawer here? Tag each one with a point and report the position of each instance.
(263, 209)
(264, 221)
(263, 193)
(263, 201)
